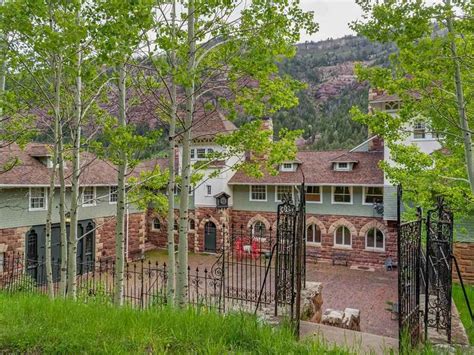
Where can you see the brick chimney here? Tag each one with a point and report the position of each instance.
(376, 144)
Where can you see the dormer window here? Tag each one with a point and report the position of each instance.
(343, 166)
(287, 167)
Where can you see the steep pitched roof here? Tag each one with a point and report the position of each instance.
(207, 125)
(30, 171)
(150, 165)
(316, 168)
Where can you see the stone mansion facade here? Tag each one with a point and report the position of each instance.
(351, 206)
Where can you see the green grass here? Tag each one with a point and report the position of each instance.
(36, 324)
(458, 297)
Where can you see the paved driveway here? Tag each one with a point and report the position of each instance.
(368, 291)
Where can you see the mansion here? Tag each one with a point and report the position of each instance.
(351, 208)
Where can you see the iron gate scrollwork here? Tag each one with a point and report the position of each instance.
(438, 269)
(409, 270)
(261, 268)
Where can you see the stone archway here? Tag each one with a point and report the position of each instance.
(258, 218)
(342, 222)
(314, 220)
(373, 224)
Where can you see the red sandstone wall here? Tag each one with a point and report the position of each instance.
(13, 239)
(464, 253)
(357, 254)
(159, 238)
(105, 236)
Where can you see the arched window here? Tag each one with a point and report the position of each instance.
(192, 225)
(342, 237)
(313, 234)
(258, 229)
(156, 224)
(375, 239)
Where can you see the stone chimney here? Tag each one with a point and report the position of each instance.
(267, 124)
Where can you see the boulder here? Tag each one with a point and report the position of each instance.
(351, 319)
(332, 317)
(312, 301)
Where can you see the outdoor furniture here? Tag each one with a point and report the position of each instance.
(341, 258)
(247, 248)
(390, 264)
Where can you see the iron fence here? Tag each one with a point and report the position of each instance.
(144, 285)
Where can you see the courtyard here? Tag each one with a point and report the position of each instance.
(369, 291)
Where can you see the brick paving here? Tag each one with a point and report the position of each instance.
(368, 291)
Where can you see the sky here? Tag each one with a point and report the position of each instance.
(332, 16)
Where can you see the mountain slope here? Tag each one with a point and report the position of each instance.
(327, 67)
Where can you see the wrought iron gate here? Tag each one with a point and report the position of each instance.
(438, 269)
(409, 270)
(263, 268)
(426, 275)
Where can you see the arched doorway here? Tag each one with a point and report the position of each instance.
(210, 237)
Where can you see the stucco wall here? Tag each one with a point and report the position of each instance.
(241, 201)
(14, 211)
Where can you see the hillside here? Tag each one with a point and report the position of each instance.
(327, 67)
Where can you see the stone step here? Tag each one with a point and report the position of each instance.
(356, 342)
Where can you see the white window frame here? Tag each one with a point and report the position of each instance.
(364, 195)
(342, 246)
(250, 193)
(153, 224)
(290, 168)
(314, 227)
(197, 153)
(276, 192)
(320, 194)
(208, 190)
(422, 127)
(348, 167)
(94, 200)
(342, 203)
(207, 150)
(375, 248)
(254, 232)
(45, 197)
(113, 193)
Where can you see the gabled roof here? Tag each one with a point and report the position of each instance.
(345, 158)
(207, 125)
(316, 168)
(30, 171)
(150, 165)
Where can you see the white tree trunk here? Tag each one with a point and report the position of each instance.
(120, 218)
(75, 195)
(171, 281)
(62, 213)
(460, 103)
(3, 68)
(182, 270)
